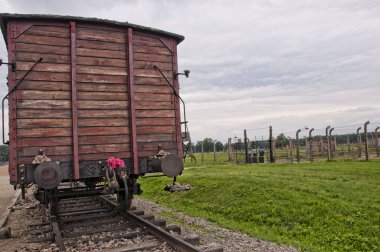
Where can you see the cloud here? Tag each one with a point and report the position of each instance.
(256, 63)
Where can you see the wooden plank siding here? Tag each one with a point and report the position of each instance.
(155, 115)
(102, 86)
(44, 100)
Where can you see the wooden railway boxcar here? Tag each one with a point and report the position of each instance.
(87, 89)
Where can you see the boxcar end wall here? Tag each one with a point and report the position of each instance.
(95, 94)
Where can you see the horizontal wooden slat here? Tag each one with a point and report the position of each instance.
(43, 95)
(101, 70)
(101, 78)
(153, 146)
(59, 158)
(151, 73)
(151, 49)
(101, 35)
(45, 113)
(155, 113)
(23, 47)
(155, 121)
(154, 105)
(43, 123)
(96, 131)
(103, 156)
(150, 65)
(43, 141)
(45, 30)
(151, 81)
(104, 139)
(155, 130)
(94, 61)
(44, 76)
(44, 132)
(152, 57)
(155, 138)
(104, 148)
(102, 104)
(154, 89)
(43, 40)
(46, 57)
(50, 150)
(99, 87)
(153, 97)
(44, 104)
(102, 96)
(144, 40)
(44, 67)
(102, 113)
(100, 45)
(110, 122)
(45, 85)
(101, 53)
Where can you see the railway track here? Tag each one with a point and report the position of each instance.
(94, 223)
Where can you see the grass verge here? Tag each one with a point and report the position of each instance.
(327, 206)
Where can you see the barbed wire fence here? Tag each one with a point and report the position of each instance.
(307, 144)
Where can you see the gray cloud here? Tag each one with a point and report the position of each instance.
(254, 63)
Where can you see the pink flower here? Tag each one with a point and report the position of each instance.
(111, 160)
(120, 162)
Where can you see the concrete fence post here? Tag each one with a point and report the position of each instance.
(366, 139)
(377, 141)
(298, 146)
(328, 142)
(310, 145)
(359, 142)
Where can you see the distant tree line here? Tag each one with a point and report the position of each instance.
(4, 153)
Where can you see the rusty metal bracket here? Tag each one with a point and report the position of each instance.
(176, 94)
(13, 65)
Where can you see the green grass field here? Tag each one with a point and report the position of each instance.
(325, 206)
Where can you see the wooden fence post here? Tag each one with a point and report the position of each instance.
(377, 142)
(214, 151)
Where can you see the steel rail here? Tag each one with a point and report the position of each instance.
(173, 241)
(58, 235)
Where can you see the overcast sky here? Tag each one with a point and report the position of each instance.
(288, 64)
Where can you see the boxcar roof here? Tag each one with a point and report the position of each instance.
(5, 17)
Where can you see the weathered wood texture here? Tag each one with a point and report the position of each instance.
(44, 98)
(102, 86)
(44, 116)
(155, 116)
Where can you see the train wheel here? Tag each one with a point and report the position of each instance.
(124, 195)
